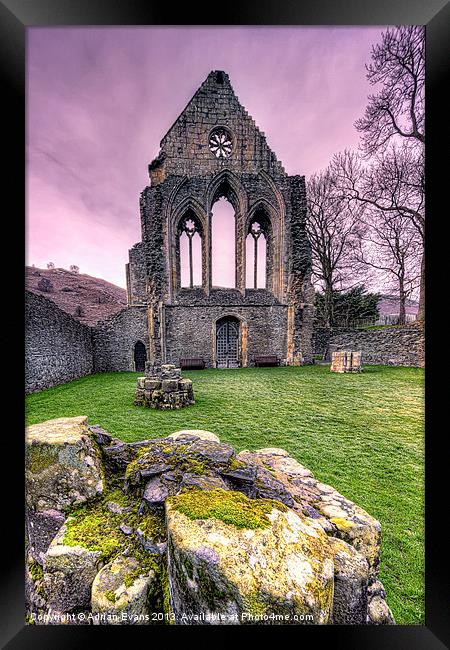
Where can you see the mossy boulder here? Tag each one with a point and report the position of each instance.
(125, 593)
(63, 464)
(69, 572)
(234, 560)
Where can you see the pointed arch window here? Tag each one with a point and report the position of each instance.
(223, 234)
(190, 247)
(256, 252)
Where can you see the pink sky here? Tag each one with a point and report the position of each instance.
(99, 100)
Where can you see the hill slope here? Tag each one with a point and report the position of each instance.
(89, 300)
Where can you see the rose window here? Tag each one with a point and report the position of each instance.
(220, 143)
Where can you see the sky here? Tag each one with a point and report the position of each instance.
(99, 100)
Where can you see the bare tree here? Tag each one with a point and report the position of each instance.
(390, 246)
(334, 229)
(397, 113)
(398, 64)
(391, 191)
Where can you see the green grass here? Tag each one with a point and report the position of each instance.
(377, 327)
(363, 434)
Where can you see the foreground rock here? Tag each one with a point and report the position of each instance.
(267, 566)
(63, 464)
(63, 468)
(123, 593)
(185, 528)
(68, 574)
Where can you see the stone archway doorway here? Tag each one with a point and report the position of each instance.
(140, 356)
(227, 343)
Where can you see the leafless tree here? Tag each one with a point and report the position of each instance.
(397, 114)
(391, 191)
(333, 226)
(390, 246)
(398, 64)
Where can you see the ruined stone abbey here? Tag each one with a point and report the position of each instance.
(213, 150)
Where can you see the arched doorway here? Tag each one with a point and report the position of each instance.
(140, 356)
(227, 343)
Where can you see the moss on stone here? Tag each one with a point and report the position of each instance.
(165, 588)
(96, 528)
(36, 571)
(194, 466)
(254, 604)
(39, 458)
(111, 596)
(230, 507)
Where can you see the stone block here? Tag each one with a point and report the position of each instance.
(284, 567)
(63, 464)
(124, 593)
(69, 572)
(346, 361)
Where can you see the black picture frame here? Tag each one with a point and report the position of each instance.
(15, 17)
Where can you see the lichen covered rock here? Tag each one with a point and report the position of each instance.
(68, 574)
(41, 529)
(351, 575)
(246, 561)
(378, 611)
(124, 593)
(184, 524)
(63, 465)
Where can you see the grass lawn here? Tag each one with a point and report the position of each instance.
(362, 434)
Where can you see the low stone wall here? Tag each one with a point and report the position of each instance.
(57, 347)
(183, 530)
(114, 340)
(392, 346)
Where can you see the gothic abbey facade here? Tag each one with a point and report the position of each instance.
(214, 149)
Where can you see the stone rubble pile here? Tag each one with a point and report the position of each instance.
(163, 387)
(182, 530)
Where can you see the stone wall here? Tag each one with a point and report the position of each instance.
(191, 331)
(57, 347)
(393, 346)
(114, 340)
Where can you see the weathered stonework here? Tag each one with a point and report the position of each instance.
(186, 180)
(346, 361)
(188, 532)
(391, 346)
(165, 322)
(164, 388)
(57, 347)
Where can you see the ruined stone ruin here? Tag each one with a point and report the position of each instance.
(182, 530)
(346, 361)
(213, 151)
(163, 387)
